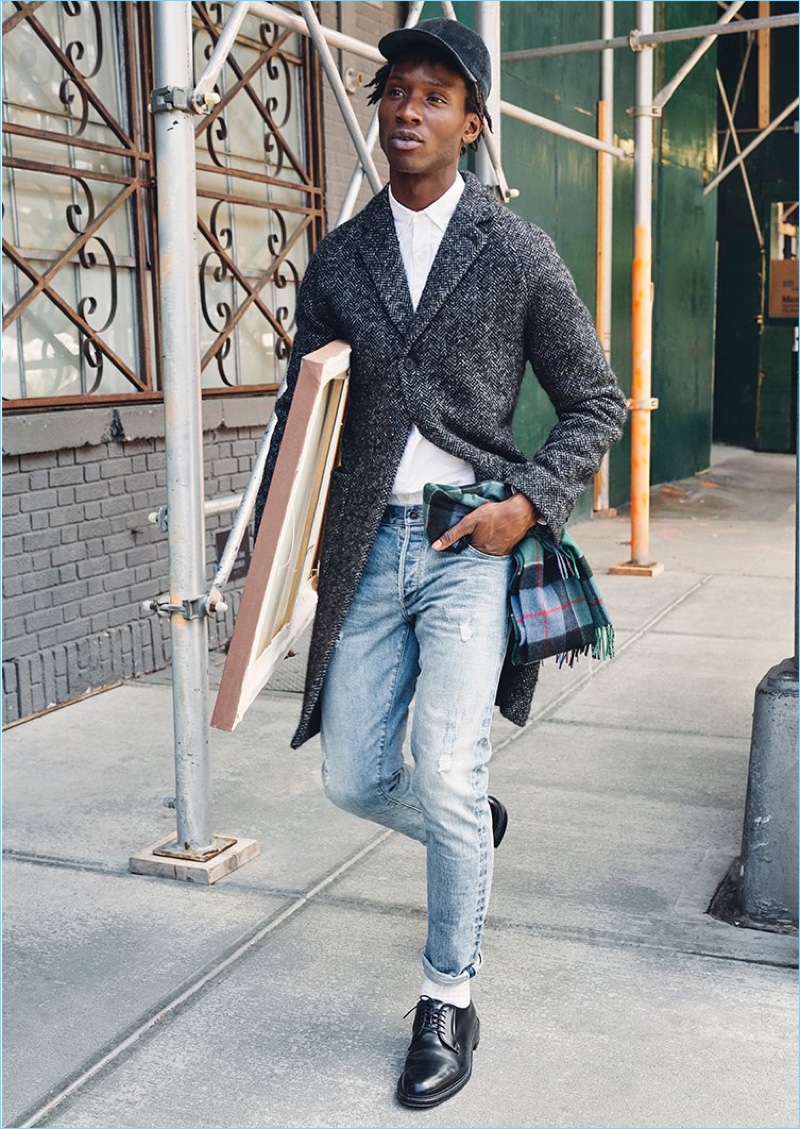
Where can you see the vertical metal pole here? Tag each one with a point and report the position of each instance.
(642, 294)
(357, 176)
(487, 25)
(605, 222)
(317, 36)
(180, 369)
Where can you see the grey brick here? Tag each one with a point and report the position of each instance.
(89, 454)
(10, 505)
(67, 573)
(16, 607)
(116, 486)
(42, 600)
(113, 507)
(67, 554)
(40, 520)
(38, 621)
(39, 480)
(114, 468)
(33, 542)
(65, 457)
(15, 483)
(94, 546)
(40, 578)
(90, 491)
(92, 511)
(12, 586)
(94, 605)
(94, 567)
(15, 524)
(14, 557)
(65, 495)
(71, 631)
(67, 515)
(69, 534)
(35, 460)
(72, 592)
(66, 476)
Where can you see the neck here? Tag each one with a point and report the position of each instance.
(417, 193)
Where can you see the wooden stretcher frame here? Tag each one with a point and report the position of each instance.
(280, 594)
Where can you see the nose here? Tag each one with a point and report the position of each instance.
(407, 110)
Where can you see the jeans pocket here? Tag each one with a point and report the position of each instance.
(471, 551)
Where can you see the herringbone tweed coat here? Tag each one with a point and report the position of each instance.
(498, 296)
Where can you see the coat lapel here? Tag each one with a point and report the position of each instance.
(463, 242)
(376, 243)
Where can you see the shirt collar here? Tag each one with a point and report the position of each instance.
(439, 212)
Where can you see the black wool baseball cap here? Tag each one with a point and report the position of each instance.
(457, 41)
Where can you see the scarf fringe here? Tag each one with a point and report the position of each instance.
(601, 648)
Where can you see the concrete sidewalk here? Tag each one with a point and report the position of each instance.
(609, 997)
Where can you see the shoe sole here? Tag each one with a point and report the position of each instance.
(498, 832)
(431, 1100)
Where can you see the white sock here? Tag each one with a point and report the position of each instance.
(457, 994)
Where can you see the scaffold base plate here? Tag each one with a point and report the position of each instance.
(185, 870)
(631, 569)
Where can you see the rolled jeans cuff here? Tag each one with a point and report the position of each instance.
(442, 978)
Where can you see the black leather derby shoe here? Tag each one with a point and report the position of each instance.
(499, 820)
(439, 1059)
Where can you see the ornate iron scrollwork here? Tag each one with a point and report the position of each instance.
(101, 158)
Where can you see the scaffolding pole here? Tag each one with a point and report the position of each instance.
(195, 853)
(638, 38)
(487, 25)
(667, 91)
(641, 403)
(605, 230)
(746, 179)
(745, 153)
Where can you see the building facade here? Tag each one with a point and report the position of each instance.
(84, 472)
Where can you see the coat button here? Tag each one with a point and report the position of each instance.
(409, 364)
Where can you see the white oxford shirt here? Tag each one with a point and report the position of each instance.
(419, 235)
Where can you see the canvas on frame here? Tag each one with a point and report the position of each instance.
(280, 593)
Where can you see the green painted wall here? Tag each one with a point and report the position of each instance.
(557, 183)
(755, 395)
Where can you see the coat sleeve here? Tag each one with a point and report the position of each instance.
(568, 360)
(315, 327)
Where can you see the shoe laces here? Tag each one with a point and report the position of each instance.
(432, 1016)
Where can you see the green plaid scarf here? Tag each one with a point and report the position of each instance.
(555, 606)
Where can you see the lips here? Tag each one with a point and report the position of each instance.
(404, 139)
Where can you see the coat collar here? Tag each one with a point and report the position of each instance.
(377, 245)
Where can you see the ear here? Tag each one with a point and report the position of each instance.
(472, 129)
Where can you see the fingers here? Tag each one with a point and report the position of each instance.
(462, 529)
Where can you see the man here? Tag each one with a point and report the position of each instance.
(443, 296)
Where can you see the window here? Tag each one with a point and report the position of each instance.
(80, 309)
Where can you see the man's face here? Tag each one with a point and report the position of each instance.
(423, 119)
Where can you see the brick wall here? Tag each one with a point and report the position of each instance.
(79, 554)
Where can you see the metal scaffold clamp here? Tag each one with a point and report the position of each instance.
(167, 99)
(189, 609)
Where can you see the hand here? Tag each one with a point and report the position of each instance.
(495, 528)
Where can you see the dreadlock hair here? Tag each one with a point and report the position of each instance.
(476, 101)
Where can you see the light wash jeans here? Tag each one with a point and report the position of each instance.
(434, 625)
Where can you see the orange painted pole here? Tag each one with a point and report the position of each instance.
(641, 402)
(641, 386)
